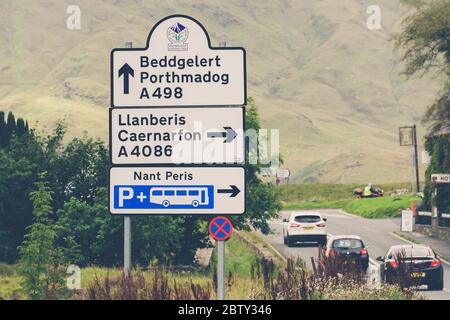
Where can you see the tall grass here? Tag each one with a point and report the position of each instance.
(10, 288)
(328, 281)
(328, 192)
(161, 286)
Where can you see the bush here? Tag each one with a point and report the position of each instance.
(41, 263)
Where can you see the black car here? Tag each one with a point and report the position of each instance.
(349, 250)
(412, 265)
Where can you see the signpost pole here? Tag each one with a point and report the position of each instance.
(287, 189)
(434, 211)
(221, 251)
(220, 269)
(127, 245)
(408, 137)
(416, 159)
(127, 225)
(220, 229)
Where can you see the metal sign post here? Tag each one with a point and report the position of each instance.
(220, 269)
(416, 159)
(127, 226)
(220, 228)
(284, 174)
(127, 245)
(408, 137)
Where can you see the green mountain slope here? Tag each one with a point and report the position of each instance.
(317, 72)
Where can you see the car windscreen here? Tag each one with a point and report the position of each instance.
(347, 244)
(307, 219)
(412, 252)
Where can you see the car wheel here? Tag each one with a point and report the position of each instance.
(437, 285)
(195, 203)
(166, 203)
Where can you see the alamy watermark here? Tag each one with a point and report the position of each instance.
(73, 281)
(73, 21)
(374, 19)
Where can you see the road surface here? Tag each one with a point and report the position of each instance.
(376, 234)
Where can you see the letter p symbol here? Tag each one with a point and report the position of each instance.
(125, 193)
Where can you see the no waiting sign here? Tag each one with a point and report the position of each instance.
(220, 228)
(178, 68)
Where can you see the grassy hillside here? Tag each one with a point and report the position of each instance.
(340, 196)
(318, 74)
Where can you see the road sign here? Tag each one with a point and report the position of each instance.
(177, 135)
(177, 190)
(178, 67)
(440, 178)
(283, 173)
(426, 158)
(406, 136)
(220, 228)
(407, 221)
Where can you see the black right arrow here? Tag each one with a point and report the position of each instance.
(234, 191)
(126, 71)
(229, 134)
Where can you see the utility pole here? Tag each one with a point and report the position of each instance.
(416, 158)
(127, 225)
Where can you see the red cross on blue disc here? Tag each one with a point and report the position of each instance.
(220, 228)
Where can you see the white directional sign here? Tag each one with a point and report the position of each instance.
(283, 173)
(440, 178)
(177, 190)
(178, 101)
(177, 135)
(407, 221)
(178, 68)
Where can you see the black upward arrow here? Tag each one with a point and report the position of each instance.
(234, 191)
(229, 134)
(126, 71)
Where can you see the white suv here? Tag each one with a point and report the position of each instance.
(305, 227)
